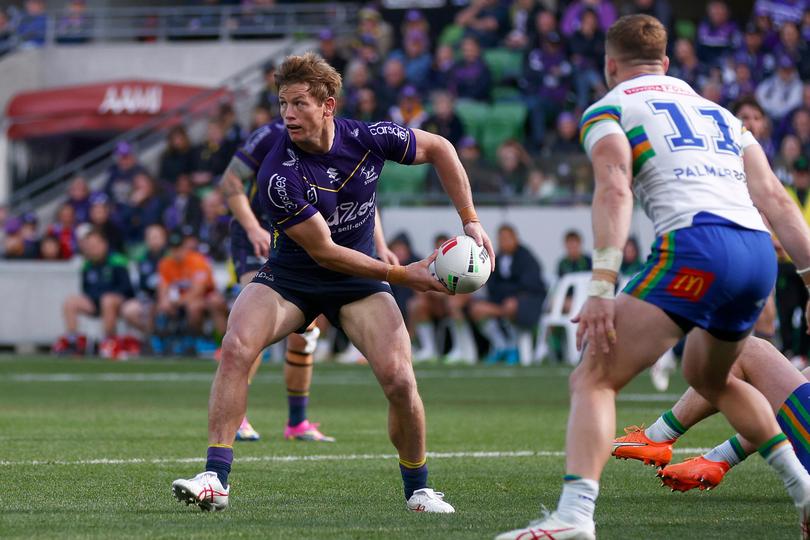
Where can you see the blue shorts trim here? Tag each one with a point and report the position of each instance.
(314, 295)
(715, 277)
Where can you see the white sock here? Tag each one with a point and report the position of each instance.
(578, 502)
(661, 430)
(784, 461)
(424, 331)
(727, 452)
(492, 330)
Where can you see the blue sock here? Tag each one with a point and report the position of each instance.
(219, 461)
(794, 419)
(297, 404)
(414, 476)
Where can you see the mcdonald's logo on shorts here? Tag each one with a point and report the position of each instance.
(690, 284)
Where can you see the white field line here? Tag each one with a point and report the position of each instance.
(322, 457)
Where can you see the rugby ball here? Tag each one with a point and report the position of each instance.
(461, 265)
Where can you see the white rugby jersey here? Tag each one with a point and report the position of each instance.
(687, 151)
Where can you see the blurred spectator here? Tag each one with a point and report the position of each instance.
(521, 19)
(770, 37)
(178, 158)
(213, 230)
(30, 235)
(780, 11)
(234, 134)
(357, 78)
(539, 187)
(211, 156)
(712, 91)
(566, 138)
(79, 198)
(572, 16)
(444, 121)
(586, 53)
(574, 259)
(545, 84)
(485, 21)
(13, 243)
(186, 291)
(792, 44)
(6, 34)
(415, 57)
(414, 20)
(268, 97)
(514, 164)
(717, 35)
(660, 9)
(789, 151)
(741, 84)
(372, 26)
(482, 176)
(805, 25)
(759, 59)
(32, 26)
(63, 229)
(139, 312)
(260, 116)
(782, 92)
(545, 22)
(101, 219)
(392, 84)
(801, 128)
(328, 49)
(105, 287)
(753, 117)
(409, 111)
(471, 77)
(400, 245)
(75, 25)
(366, 50)
(49, 248)
(685, 64)
(631, 258)
(184, 208)
(441, 71)
(119, 179)
(515, 294)
(146, 206)
(366, 106)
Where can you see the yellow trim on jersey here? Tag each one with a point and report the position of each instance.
(347, 178)
(295, 214)
(407, 146)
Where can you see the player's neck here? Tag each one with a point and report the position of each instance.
(323, 143)
(639, 71)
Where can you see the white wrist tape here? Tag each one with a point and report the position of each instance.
(804, 273)
(311, 339)
(602, 289)
(609, 258)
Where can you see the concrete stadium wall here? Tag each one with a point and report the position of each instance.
(33, 292)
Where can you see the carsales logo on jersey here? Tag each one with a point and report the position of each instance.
(388, 128)
(277, 192)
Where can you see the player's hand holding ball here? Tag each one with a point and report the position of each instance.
(462, 266)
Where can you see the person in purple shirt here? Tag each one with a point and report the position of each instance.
(781, 11)
(716, 35)
(572, 16)
(760, 59)
(318, 182)
(471, 78)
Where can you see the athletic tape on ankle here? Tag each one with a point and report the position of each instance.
(412, 464)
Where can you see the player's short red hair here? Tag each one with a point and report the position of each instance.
(323, 80)
(637, 38)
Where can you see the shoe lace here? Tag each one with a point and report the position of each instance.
(633, 429)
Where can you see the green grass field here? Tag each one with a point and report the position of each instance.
(88, 449)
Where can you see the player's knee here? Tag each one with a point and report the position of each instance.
(399, 389)
(237, 352)
(588, 377)
(111, 301)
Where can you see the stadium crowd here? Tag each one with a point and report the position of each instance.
(505, 81)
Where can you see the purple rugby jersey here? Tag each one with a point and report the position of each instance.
(341, 184)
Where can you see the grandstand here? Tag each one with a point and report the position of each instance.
(121, 115)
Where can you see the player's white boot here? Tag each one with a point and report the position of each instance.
(550, 526)
(205, 490)
(427, 500)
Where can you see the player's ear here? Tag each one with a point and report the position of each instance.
(329, 106)
(665, 62)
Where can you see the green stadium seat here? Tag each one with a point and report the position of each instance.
(474, 115)
(396, 178)
(451, 35)
(504, 64)
(505, 121)
(505, 94)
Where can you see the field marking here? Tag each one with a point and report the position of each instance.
(316, 457)
(327, 378)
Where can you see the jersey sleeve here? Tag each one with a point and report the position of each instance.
(747, 138)
(392, 142)
(285, 199)
(256, 147)
(601, 119)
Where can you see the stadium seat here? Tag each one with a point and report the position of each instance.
(474, 115)
(577, 284)
(501, 94)
(505, 121)
(504, 64)
(396, 178)
(451, 35)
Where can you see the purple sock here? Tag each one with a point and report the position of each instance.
(298, 408)
(219, 461)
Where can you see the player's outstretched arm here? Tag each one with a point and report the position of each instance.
(611, 215)
(232, 186)
(440, 153)
(314, 236)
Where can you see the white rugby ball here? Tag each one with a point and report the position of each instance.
(461, 265)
